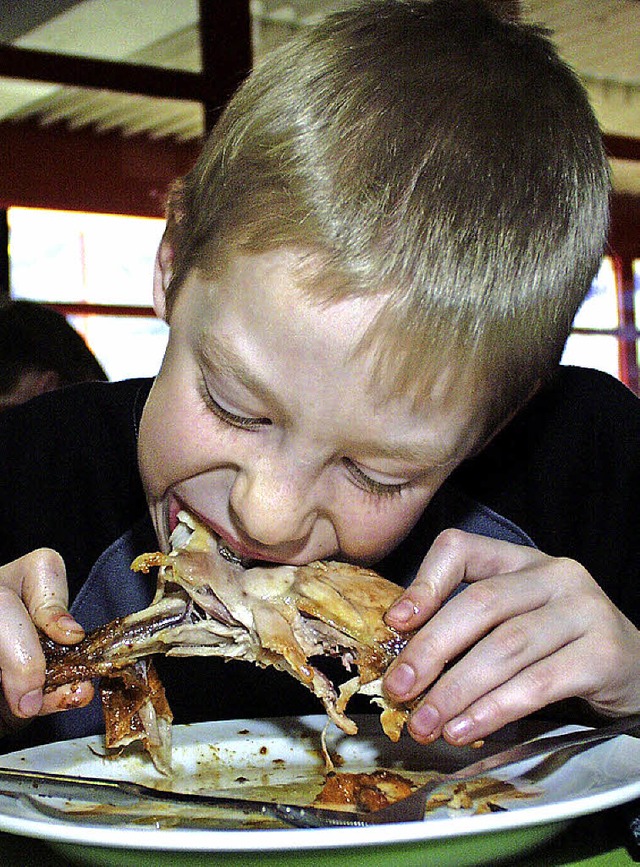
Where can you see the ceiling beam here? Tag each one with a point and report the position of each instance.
(622, 147)
(224, 67)
(225, 63)
(226, 50)
(47, 66)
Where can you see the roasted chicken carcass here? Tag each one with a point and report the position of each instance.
(208, 603)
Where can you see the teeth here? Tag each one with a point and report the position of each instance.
(183, 531)
(229, 555)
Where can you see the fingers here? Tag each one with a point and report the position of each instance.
(527, 631)
(33, 594)
(531, 689)
(462, 622)
(521, 666)
(67, 697)
(63, 698)
(39, 579)
(454, 557)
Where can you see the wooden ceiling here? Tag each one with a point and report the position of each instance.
(600, 39)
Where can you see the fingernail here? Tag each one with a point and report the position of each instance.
(73, 696)
(400, 680)
(67, 623)
(424, 721)
(458, 729)
(31, 702)
(403, 611)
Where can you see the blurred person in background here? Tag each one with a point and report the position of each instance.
(39, 352)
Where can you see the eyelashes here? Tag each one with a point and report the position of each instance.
(244, 422)
(373, 486)
(231, 418)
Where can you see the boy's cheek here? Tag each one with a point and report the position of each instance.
(157, 438)
(367, 536)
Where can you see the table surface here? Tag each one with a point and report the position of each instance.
(592, 841)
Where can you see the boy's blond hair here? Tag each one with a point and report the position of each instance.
(429, 150)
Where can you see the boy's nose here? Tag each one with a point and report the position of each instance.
(273, 509)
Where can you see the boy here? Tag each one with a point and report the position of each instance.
(369, 277)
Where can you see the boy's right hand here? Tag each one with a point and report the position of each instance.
(33, 595)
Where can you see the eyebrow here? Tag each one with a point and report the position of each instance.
(216, 355)
(419, 455)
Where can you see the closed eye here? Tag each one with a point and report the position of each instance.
(231, 418)
(373, 486)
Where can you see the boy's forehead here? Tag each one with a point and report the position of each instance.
(297, 283)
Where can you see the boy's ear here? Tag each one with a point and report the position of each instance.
(162, 274)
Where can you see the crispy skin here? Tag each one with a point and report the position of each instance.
(280, 616)
(135, 707)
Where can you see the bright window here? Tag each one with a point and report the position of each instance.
(636, 293)
(606, 333)
(98, 270)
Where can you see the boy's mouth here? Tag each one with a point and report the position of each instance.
(231, 556)
(182, 525)
(228, 548)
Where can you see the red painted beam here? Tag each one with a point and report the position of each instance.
(226, 49)
(57, 168)
(622, 147)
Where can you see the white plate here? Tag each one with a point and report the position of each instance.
(280, 759)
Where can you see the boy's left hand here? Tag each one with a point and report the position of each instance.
(529, 630)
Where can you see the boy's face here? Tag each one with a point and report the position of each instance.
(264, 424)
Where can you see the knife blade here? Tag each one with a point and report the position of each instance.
(124, 793)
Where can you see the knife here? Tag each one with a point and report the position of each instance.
(124, 793)
(116, 793)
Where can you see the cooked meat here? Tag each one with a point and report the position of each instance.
(364, 792)
(207, 603)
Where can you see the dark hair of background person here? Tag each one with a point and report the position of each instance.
(40, 351)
